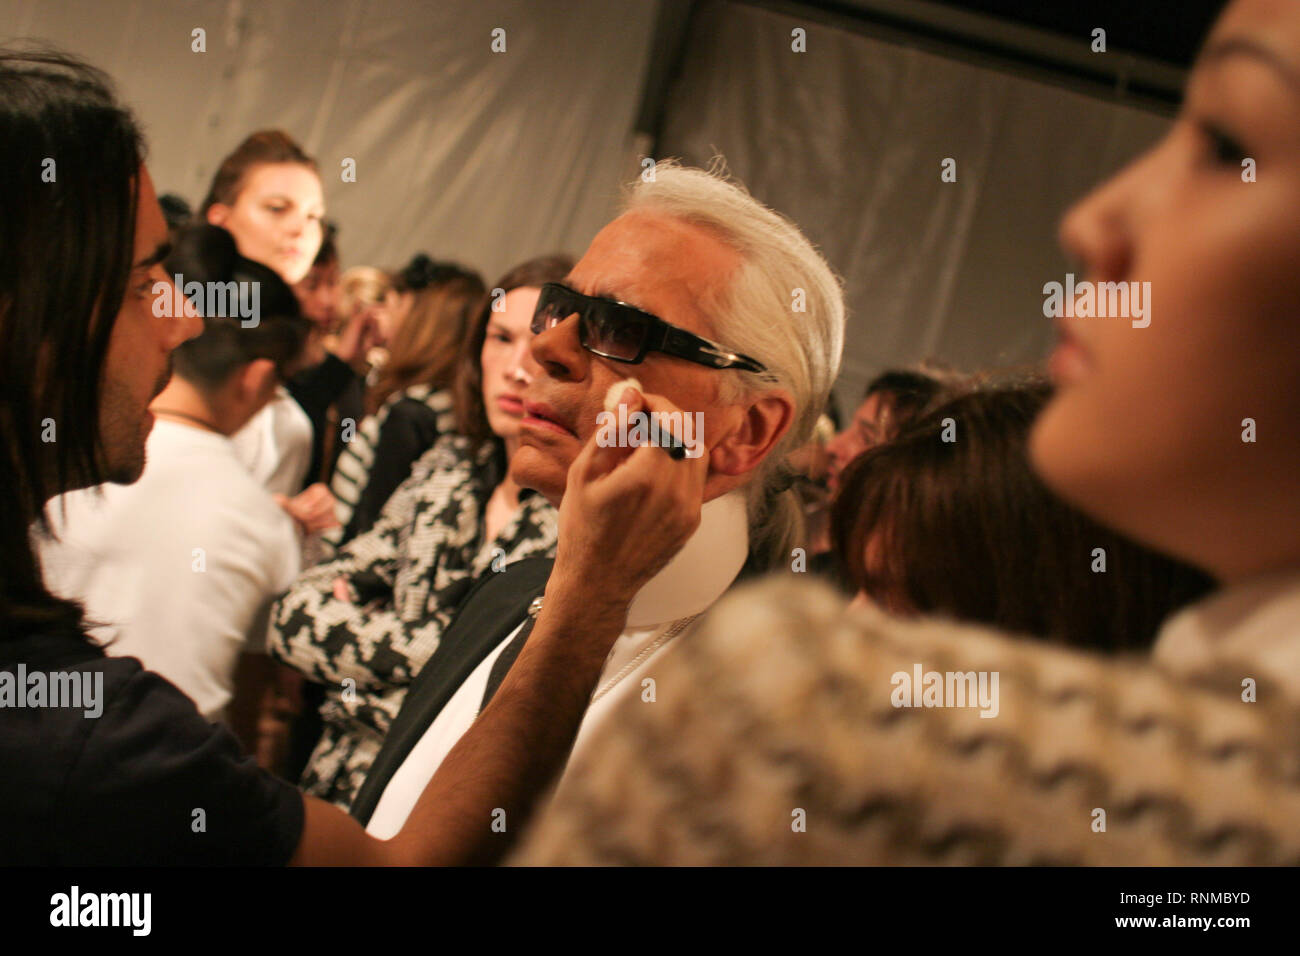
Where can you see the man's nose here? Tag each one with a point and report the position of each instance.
(522, 367)
(185, 325)
(558, 352)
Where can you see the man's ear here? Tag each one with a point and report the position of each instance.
(257, 381)
(762, 424)
(218, 214)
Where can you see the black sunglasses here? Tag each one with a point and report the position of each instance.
(624, 333)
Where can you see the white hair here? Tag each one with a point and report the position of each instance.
(784, 306)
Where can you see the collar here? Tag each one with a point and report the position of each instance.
(704, 568)
(175, 432)
(1255, 621)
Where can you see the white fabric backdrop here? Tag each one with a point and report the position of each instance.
(848, 139)
(486, 157)
(494, 157)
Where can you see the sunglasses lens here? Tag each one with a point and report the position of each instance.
(552, 309)
(616, 333)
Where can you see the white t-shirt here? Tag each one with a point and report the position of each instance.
(181, 566)
(275, 444)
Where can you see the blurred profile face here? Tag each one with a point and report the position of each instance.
(318, 294)
(392, 312)
(508, 364)
(138, 363)
(666, 267)
(1146, 432)
(276, 218)
(866, 430)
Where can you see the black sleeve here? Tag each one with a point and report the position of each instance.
(319, 387)
(156, 784)
(408, 432)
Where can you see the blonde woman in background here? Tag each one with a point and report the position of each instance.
(409, 403)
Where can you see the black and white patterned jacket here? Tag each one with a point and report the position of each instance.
(407, 575)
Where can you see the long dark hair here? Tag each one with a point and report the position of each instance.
(72, 157)
(467, 393)
(964, 528)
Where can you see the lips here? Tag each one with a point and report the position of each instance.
(543, 417)
(1069, 361)
(510, 404)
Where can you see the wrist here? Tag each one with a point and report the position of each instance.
(584, 595)
(576, 639)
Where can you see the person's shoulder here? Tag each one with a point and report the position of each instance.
(451, 451)
(793, 638)
(131, 773)
(436, 400)
(54, 686)
(411, 412)
(994, 748)
(213, 498)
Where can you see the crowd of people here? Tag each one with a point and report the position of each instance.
(360, 574)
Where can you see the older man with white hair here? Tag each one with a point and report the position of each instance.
(725, 313)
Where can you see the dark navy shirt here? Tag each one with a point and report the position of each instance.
(146, 782)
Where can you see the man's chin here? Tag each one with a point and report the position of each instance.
(127, 465)
(537, 469)
(125, 473)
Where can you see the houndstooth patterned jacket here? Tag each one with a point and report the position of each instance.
(775, 738)
(408, 575)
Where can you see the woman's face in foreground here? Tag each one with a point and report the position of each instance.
(1146, 433)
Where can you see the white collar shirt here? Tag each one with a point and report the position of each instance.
(692, 581)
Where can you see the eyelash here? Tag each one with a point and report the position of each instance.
(1223, 149)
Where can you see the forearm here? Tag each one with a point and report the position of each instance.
(515, 748)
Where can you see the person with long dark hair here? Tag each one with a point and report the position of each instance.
(947, 518)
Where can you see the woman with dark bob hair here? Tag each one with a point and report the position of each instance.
(949, 519)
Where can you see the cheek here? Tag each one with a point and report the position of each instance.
(252, 231)
(492, 365)
(132, 360)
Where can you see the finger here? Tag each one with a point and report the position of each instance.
(605, 450)
(679, 431)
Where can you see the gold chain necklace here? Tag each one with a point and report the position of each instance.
(670, 632)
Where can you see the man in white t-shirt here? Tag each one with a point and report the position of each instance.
(179, 568)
